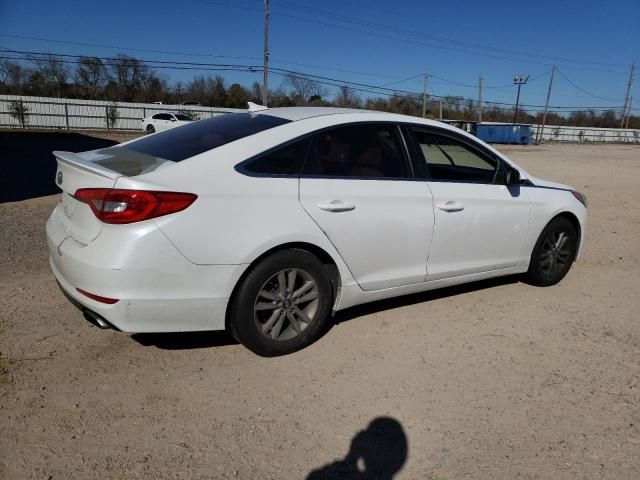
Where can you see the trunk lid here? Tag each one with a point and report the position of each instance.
(75, 171)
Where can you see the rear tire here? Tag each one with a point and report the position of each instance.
(553, 254)
(150, 129)
(283, 304)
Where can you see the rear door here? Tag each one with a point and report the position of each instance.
(480, 223)
(357, 185)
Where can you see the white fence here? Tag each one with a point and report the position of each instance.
(556, 133)
(70, 114)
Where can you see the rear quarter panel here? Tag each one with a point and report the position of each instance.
(236, 218)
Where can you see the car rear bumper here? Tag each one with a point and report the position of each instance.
(158, 290)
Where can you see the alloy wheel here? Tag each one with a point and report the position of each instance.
(555, 254)
(286, 304)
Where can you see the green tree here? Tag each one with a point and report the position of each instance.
(237, 96)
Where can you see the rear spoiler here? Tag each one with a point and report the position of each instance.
(83, 163)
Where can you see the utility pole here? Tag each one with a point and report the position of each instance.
(480, 99)
(440, 108)
(519, 80)
(626, 97)
(424, 93)
(626, 125)
(546, 105)
(265, 79)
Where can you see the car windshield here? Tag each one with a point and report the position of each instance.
(177, 144)
(185, 118)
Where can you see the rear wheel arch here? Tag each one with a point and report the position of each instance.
(322, 255)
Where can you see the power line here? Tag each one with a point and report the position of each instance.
(132, 49)
(367, 88)
(413, 77)
(192, 54)
(406, 40)
(586, 91)
(457, 42)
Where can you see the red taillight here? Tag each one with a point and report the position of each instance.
(98, 298)
(128, 206)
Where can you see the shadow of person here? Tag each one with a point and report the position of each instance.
(377, 453)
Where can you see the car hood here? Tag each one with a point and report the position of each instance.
(540, 182)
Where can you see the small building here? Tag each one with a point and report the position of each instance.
(518, 133)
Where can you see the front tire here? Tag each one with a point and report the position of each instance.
(553, 254)
(282, 304)
(150, 129)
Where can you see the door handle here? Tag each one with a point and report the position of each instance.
(337, 206)
(451, 206)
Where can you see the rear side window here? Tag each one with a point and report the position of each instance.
(453, 160)
(162, 116)
(359, 151)
(194, 138)
(285, 160)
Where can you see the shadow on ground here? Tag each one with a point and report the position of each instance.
(193, 340)
(396, 302)
(29, 167)
(378, 452)
(185, 340)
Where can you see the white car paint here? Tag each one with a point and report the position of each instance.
(164, 121)
(177, 272)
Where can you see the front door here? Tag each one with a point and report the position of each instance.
(358, 186)
(480, 225)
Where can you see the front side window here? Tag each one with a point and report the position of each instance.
(285, 160)
(453, 160)
(162, 116)
(359, 151)
(184, 118)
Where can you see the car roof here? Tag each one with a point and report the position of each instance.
(301, 113)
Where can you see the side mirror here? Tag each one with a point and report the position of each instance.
(512, 176)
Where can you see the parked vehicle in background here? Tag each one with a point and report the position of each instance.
(269, 221)
(164, 121)
(197, 104)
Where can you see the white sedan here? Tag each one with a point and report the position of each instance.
(164, 121)
(267, 222)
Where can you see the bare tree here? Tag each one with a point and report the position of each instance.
(216, 91)
(13, 76)
(347, 97)
(51, 74)
(130, 76)
(303, 88)
(91, 75)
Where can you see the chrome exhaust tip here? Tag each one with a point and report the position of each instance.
(96, 319)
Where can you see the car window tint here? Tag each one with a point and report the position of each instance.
(162, 116)
(358, 151)
(451, 159)
(183, 117)
(286, 160)
(193, 138)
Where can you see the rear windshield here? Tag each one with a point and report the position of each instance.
(189, 140)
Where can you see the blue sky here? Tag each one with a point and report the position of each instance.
(594, 41)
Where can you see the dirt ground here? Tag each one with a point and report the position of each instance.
(496, 380)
